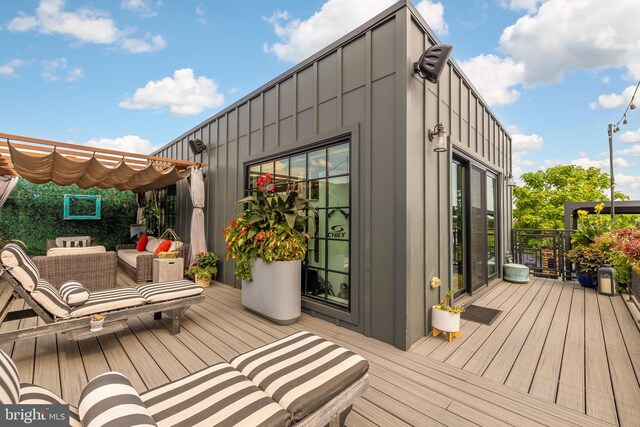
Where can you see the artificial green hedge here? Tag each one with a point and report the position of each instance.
(33, 214)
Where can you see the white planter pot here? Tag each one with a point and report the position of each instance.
(275, 290)
(445, 321)
(202, 281)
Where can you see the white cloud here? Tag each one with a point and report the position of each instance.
(614, 100)
(9, 68)
(521, 143)
(563, 35)
(433, 13)
(629, 185)
(84, 24)
(143, 8)
(586, 162)
(529, 5)
(606, 80)
(633, 151)
(495, 77)
(300, 39)
(128, 143)
(57, 69)
(183, 93)
(148, 44)
(201, 15)
(630, 136)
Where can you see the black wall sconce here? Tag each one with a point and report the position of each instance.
(439, 136)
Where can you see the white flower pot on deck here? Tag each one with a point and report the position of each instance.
(275, 290)
(445, 321)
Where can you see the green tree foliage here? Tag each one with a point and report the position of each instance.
(33, 213)
(539, 203)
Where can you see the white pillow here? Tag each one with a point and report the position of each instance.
(175, 245)
(73, 293)
(73, 242)
(152, 244)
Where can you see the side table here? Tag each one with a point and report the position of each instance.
(167, 269)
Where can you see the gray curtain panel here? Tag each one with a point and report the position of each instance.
(198, 241)
(7, 184)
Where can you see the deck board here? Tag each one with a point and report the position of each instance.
(554, 341)
(407, 388)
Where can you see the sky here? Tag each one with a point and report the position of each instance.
(134, 74)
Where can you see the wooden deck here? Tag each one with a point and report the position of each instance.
(407, 388)
(556, 341)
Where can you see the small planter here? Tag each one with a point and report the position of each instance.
(587, 279)
(444, 321)
(274, 292)
(97, 322)
(202, 281)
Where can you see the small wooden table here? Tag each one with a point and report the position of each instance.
(167, 269)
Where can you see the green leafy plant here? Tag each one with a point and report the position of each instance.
(206, 266)
(590, 227)
(151, 218)
(271, 228)
(445, 304)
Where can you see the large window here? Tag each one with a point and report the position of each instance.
(167, 205)
(321, 175)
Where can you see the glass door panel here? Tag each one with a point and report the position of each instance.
(458, 278)
(478, 234)
(491, 227)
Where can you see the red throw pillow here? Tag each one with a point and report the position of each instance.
(142, 243)
(164, 246)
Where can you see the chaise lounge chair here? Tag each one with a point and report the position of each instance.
(299, 380)
(70, 309)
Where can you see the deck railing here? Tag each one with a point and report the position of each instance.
(543, 252)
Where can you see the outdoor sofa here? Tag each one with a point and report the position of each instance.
(300, 380)
(69, 309)
(139, 264)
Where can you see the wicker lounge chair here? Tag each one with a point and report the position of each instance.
(300, 380)
(69, 310)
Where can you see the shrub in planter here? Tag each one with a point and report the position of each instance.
(205, 267)
(446, 318)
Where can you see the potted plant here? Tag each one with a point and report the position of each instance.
(204, 269)
(268, 243)
(446, 318)
(97, 321)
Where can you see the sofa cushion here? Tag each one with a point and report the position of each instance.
(22, 267)
(73, 293)
(107, 300)
(110, 399)
(129, 256)
(50, 299)
(217, 395)
(301, 372)
(163, 291)
(35, 395)
(9, 380)
(73, 242)
(163, 246)
(175, 246)
(76, 250)
(152, 244)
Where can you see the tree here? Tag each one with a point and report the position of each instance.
(539, 203)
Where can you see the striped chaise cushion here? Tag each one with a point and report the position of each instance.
(35, 395)
(107, 300)
(22, 268)
(49, 298)
(301, 372)
(9, 380)
(73, 293)
(163, 291)
(215, 396)
(110, 399)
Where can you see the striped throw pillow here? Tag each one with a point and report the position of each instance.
(21, 267)
(73, 293)
(73, 242)
(35, 395)
(49, 298)
(110, 399)
(301, 372)
(9, 381)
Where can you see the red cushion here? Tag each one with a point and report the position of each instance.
(142, 243)
(164, 246)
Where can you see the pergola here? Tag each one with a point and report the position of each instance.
(41, 161)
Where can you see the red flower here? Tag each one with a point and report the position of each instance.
(201, 253)
(233, 223)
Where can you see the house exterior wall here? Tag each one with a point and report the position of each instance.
(361, 87)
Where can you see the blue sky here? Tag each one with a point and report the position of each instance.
(134, 74)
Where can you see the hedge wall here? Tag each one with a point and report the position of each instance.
(33, 213)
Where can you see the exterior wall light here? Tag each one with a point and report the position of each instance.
(440, 136)
(509, 179)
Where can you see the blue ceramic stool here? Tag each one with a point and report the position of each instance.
(516, 273)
